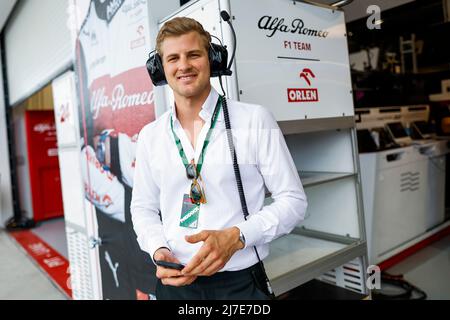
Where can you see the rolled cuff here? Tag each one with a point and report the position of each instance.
(251, 233)
(155, 245)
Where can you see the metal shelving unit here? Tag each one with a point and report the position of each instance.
(296, 259)
(308, 253)
(314, 178)
(321, 135)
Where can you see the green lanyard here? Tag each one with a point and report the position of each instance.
(205, 144)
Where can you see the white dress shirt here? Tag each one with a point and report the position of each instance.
(265, 162)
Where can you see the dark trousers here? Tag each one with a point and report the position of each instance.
(227, 285)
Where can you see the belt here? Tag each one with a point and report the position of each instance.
(225, 276)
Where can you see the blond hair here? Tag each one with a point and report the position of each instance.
(180, 26)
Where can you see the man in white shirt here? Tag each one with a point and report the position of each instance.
(185, 205)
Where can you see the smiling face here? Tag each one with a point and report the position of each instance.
(186, 65)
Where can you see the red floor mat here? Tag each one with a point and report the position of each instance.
(55, 265)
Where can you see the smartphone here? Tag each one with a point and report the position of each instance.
(169, 265)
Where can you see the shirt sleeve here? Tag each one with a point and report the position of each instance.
(281, 178)
(145, 203)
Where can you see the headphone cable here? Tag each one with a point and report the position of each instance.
(240, 187)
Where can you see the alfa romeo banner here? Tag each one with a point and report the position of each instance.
(116, 101)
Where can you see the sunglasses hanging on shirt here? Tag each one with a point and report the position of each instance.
(197, 195)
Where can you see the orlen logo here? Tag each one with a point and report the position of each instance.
(304, 94)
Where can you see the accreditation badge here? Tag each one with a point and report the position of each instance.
(189, 213)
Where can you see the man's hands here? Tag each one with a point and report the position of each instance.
(170, 277)
(217, 249)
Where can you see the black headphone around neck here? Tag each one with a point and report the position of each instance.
(218, 56)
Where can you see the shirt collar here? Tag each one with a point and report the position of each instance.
(207, 107)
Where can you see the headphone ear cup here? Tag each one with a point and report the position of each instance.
(155, 69)
(218, 56)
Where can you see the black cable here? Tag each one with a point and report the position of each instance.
(223, 91)
(240, 187)
(226, 17)
(399, 282)
(220, 41)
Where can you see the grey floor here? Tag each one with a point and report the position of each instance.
(428, 269)
(54, 233)
(20, 278)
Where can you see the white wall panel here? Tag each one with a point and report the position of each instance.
(38, 45)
